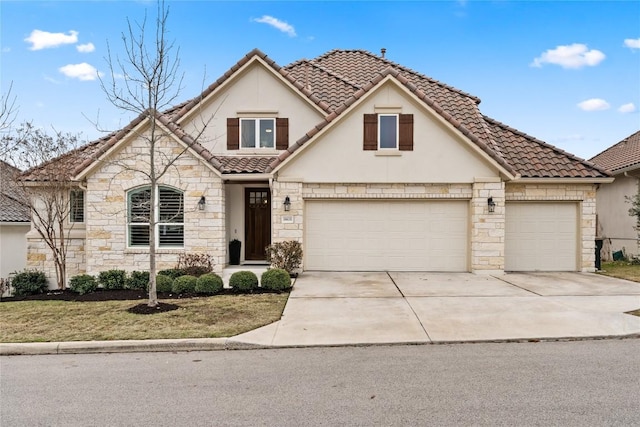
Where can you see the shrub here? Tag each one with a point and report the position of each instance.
(83, 284)
(285, 255)
(275, 279)
(164, 283)
(138, 280)
(243, 281)
(173, 273)
(184, 284)
(29, 282)
(112, 279)
(195, 264)
(209, 283)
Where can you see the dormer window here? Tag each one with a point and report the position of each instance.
(257, 133)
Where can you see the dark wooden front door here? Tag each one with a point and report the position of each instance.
(257, 222)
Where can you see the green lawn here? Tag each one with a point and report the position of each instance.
(621, 270)
(207, 317)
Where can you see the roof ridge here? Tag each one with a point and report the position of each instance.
(404, 68)
(546, 144)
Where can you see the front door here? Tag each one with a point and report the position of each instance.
(257, 223)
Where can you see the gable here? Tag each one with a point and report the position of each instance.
(439, 154)
(256, 91)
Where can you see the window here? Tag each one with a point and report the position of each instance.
(388, 132)
(257, 133)
(76, 206)
(169, 217)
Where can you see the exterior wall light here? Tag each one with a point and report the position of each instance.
(287, 204)
(201, 203)
(491, 204)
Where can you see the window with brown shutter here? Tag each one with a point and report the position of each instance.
(233, 134)
(282, 133)
(380, 132)
(406, 132)
(370, 132)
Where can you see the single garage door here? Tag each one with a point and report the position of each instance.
(386, 235)
(541, 236)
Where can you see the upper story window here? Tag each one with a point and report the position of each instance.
(76, 206)
(169, 215)
(257, 133)
(388, 132)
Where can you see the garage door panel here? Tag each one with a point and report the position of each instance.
(387, 235)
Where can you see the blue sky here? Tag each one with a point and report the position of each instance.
(565, 72)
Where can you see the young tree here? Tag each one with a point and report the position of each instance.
(634, 210)
(8, 109)
(47, 197)
(147, 81)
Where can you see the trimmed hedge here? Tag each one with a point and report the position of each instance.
(243, 281)
(138, 280)
(173, 273)
(112, 279)
(275, 279)
(29, 282)
(83, 284)
(164, 283)
(209, 283)
(184, 284)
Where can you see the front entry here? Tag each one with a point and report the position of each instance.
(257, 228)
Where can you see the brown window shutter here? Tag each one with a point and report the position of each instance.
(233, 133)
(406, 132)
(282, 133)
(370, 132)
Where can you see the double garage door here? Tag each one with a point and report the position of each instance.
(398, 235)
(407, 235)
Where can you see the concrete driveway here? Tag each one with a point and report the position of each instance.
(328, 308)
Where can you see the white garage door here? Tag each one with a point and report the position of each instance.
(386, 235)
(541, 236)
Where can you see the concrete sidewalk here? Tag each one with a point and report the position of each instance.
(330, 309)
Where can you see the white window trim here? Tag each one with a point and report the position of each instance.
(397, 116)
(256, 138)
(84, 206)
(156, 231)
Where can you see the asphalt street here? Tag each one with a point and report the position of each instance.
(581, 383)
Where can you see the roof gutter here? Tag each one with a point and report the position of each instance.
(603, 180)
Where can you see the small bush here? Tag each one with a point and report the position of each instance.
(285, 255)
(243, 281)
(173, 273)
(184, 284)
(163, 283)
(29, 282)
(195, 264)
(138, 280)
(209, 283)
(83, 284)
(275, 279)
(112, 279)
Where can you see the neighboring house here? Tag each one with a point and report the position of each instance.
(615, 225)
(381, 168)
(15, 222)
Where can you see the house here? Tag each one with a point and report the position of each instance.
(616, 227)
(15, 223)
(369, 164)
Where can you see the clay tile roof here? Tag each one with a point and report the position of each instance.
(533, 158)
(237, 164)
(623, 155)
(11, 196)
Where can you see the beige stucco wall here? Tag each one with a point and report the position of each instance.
(615, 224)
(438, 154)
(255, 92)
(584, 194)
(13, 247)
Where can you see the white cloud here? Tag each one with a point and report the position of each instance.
(576, 55)
(85, 48)
(594, 104)
(627, 108)
(81, 71)
(277, 24)
(43, 39)
(632, 43)
(6, 49)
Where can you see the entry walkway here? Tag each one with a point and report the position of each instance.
(371, 308)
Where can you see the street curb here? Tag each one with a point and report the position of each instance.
(218, 344)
